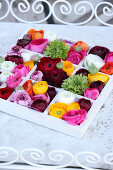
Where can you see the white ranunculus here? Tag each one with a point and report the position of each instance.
(51, 36)
(93, 59)
(7, 66)
(26, 56)
(65, 97)
(4, 75)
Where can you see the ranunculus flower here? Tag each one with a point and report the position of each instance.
(7, 66)
(23, 42)
(99, 85)
(37, 75)
(91, 93)
(28, 87)
(51, 36)
(82, 71)
(93, 59)
(75, 117)
(47, 64)
(109, 57)
(36, 34)
(2, 84)
(26, 56)
(21, 97)
(76, 56)
(22, 69)
(14, 80)
(83, 45)
(51, 92)
(66, 96)
(14, 58)
(38, 45)
(100, 51)
(55, 77)
(84, 104)
(5, 92)
(4, 75)
(16, 50)
(40, 102)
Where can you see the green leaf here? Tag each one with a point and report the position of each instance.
(75, 84)
(93, 69)
(86, 62)
(57, 49)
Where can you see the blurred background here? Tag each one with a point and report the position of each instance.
(20, 9)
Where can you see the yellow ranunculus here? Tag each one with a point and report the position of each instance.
(40, 87)
(58, 110)
(68, 67)
(98, 76)
(73, 106)
(30, 64)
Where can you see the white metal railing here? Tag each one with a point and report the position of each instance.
(79, 9)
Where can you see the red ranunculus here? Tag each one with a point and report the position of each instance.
(47, 64)
(23, 42)
(100, 51)
(99, 85)
(51, 92)
(14, 58)
(5, 92)
(55, 77)
(84, 104)
(82, 71)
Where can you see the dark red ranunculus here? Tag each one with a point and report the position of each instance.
(40, 102)
(84, 104)
(99, 85)
(82, 71)
(6, 92)
(47, 64)
(51, 92)
(55, 77)
(14, 58)
(100, 51)
(23, 42)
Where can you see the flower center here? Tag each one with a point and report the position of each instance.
(49, 65)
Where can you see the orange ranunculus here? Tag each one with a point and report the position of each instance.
(83, 45)
(58, 110)
(73, 106)
(36, 34)
(28, 87)
(107, 68)
(30, 64)
(68, 67)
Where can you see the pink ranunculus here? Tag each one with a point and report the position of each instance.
(75, 117)
(21, 97)
(38, 45)
(109, 57)
(37, 75)
(16, 50)
(91, 93)
(21, 69)
(40, 102)
(76, 56)
(14, 80)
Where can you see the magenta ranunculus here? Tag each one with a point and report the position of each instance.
(21, 69)
(84, 104)
(100, 51)
(91, 93)
(75, 117)
(16, 50)
(99, 85)
(82, 71)
(40, 102)
(51, 92)
(76, 56)
(37, 76)
(109, 57)
(14, 80)
(38, 45)
(21, 97)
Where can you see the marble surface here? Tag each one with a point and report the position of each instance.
(20, 134)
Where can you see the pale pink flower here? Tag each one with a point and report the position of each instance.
(91, 93)
(14, 80)
(37, 75)
(22, 69)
